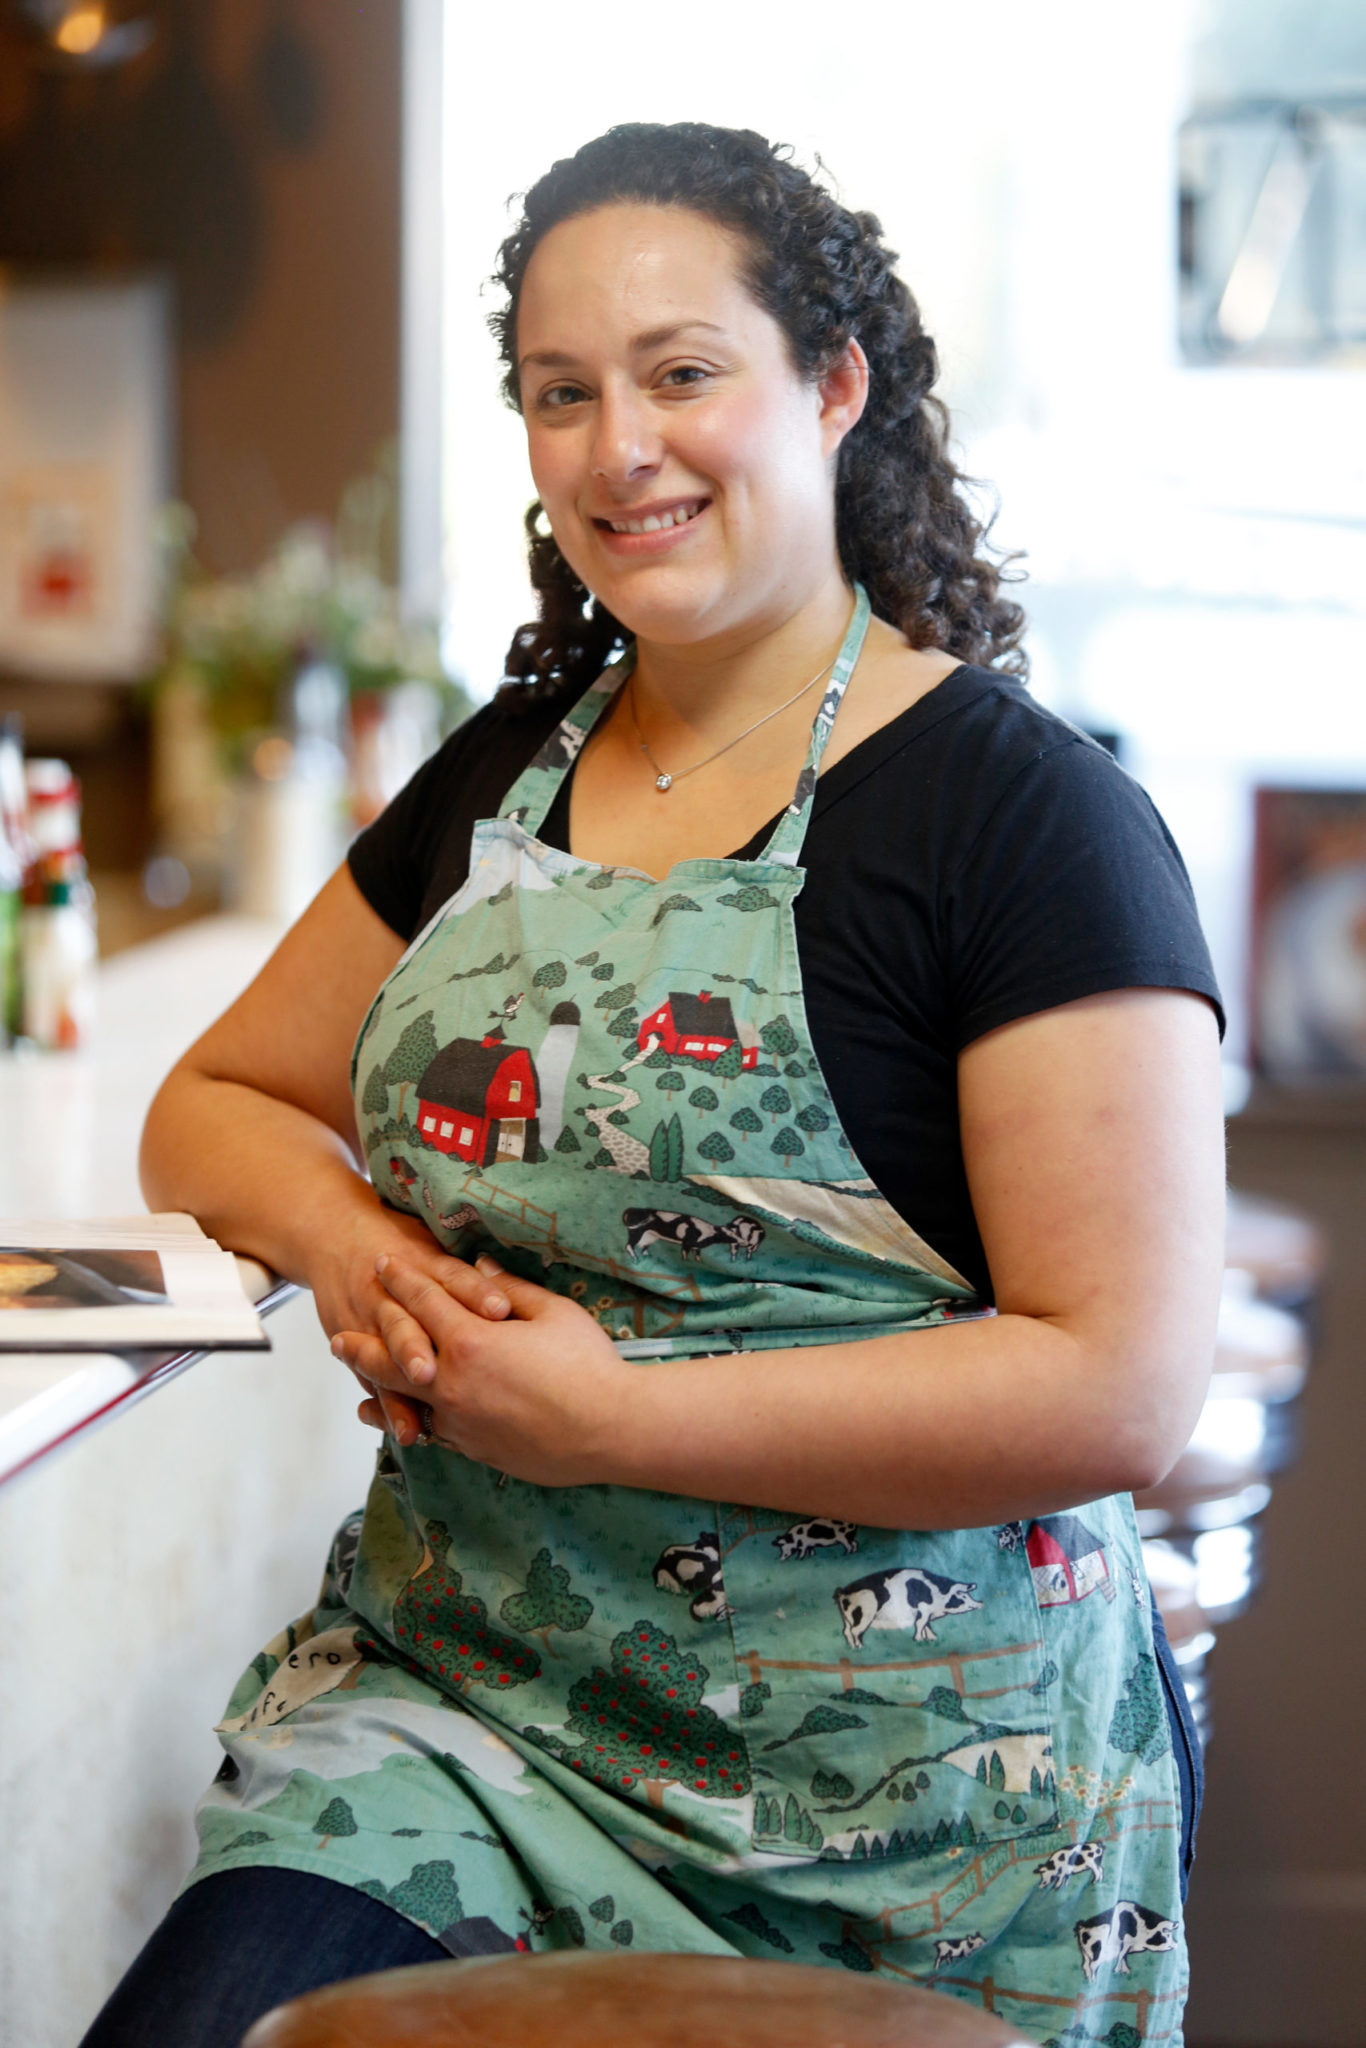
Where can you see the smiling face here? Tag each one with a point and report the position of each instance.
(685, 468)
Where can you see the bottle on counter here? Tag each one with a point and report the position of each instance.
(290, 828)
(57, 952)
(57, 946)
(13, 792)
(54, 822)
(13, 861)
(11, 877)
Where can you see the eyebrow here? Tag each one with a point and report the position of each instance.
(653, 337)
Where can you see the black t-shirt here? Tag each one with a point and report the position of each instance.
(974, 861)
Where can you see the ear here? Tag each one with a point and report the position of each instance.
(843, 394)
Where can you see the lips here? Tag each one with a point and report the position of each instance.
(655, 518)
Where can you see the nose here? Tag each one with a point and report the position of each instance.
(626, 442)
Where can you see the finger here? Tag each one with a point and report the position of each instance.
(397, 1365)
(366, 1355)
(372, 1413)
(407, 1342)
(422, 1299)
(469, 1286)
(372, 1363)
(401, 1418)
(526, 1297)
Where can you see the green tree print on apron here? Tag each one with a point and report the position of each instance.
(930, 1752)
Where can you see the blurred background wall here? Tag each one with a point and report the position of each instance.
(253, 153)
(1190, 518)
(251, 156)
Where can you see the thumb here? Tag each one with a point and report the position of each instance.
(526, 1297)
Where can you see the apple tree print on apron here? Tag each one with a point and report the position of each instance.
(531, 1717)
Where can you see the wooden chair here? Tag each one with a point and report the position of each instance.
(575, 2000)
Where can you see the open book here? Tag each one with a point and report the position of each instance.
(121, 1283)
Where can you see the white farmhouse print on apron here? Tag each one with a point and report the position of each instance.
(599, 1715)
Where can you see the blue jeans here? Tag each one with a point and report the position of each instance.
(239, 1943)
(1190, 1758)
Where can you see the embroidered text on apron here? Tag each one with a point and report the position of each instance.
(939, 1753)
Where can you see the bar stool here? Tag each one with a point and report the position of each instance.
(1244, 1434)
(1281, 1250)
(1175, 1579)
(573, 2000)
(1200, 1524)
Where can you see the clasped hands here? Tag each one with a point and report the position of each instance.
(512, 1375)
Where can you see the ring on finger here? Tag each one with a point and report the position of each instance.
(429, 1434)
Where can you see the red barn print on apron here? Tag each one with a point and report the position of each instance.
(599, 1716)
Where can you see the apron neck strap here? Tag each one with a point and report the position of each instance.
(785, 846)
(531, 795)
(535, 790)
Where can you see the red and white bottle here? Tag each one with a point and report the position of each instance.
(57, 944)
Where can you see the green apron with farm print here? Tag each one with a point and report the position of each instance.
(537, 1717)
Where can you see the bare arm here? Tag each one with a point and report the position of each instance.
(252, 1131)
(1094, 1144)
(1093, 1141)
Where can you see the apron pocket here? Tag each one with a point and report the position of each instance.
(894, 1687)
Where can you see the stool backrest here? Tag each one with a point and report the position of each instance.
(575, 2000)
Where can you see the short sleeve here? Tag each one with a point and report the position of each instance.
(1072, 887)
(392, 859)
(417, 852)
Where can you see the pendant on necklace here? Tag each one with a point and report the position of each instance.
(663, 782)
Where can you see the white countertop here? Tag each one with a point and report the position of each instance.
(69, 1130)
(70, 1121)
(145, 1563)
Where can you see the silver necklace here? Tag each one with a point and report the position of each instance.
(664, 781)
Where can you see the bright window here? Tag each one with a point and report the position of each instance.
(1193, 535)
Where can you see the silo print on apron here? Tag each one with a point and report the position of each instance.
(538, 1716)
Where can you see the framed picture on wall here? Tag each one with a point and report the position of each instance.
(1309, 934)
(85, 467)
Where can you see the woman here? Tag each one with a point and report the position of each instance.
(824, 1633)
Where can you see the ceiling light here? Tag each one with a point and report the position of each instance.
(83, 33)
(80, 31)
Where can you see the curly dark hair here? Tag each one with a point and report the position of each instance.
(904, 526)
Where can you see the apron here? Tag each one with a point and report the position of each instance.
(530, 1716)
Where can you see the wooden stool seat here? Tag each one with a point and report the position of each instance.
(574, 2000)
